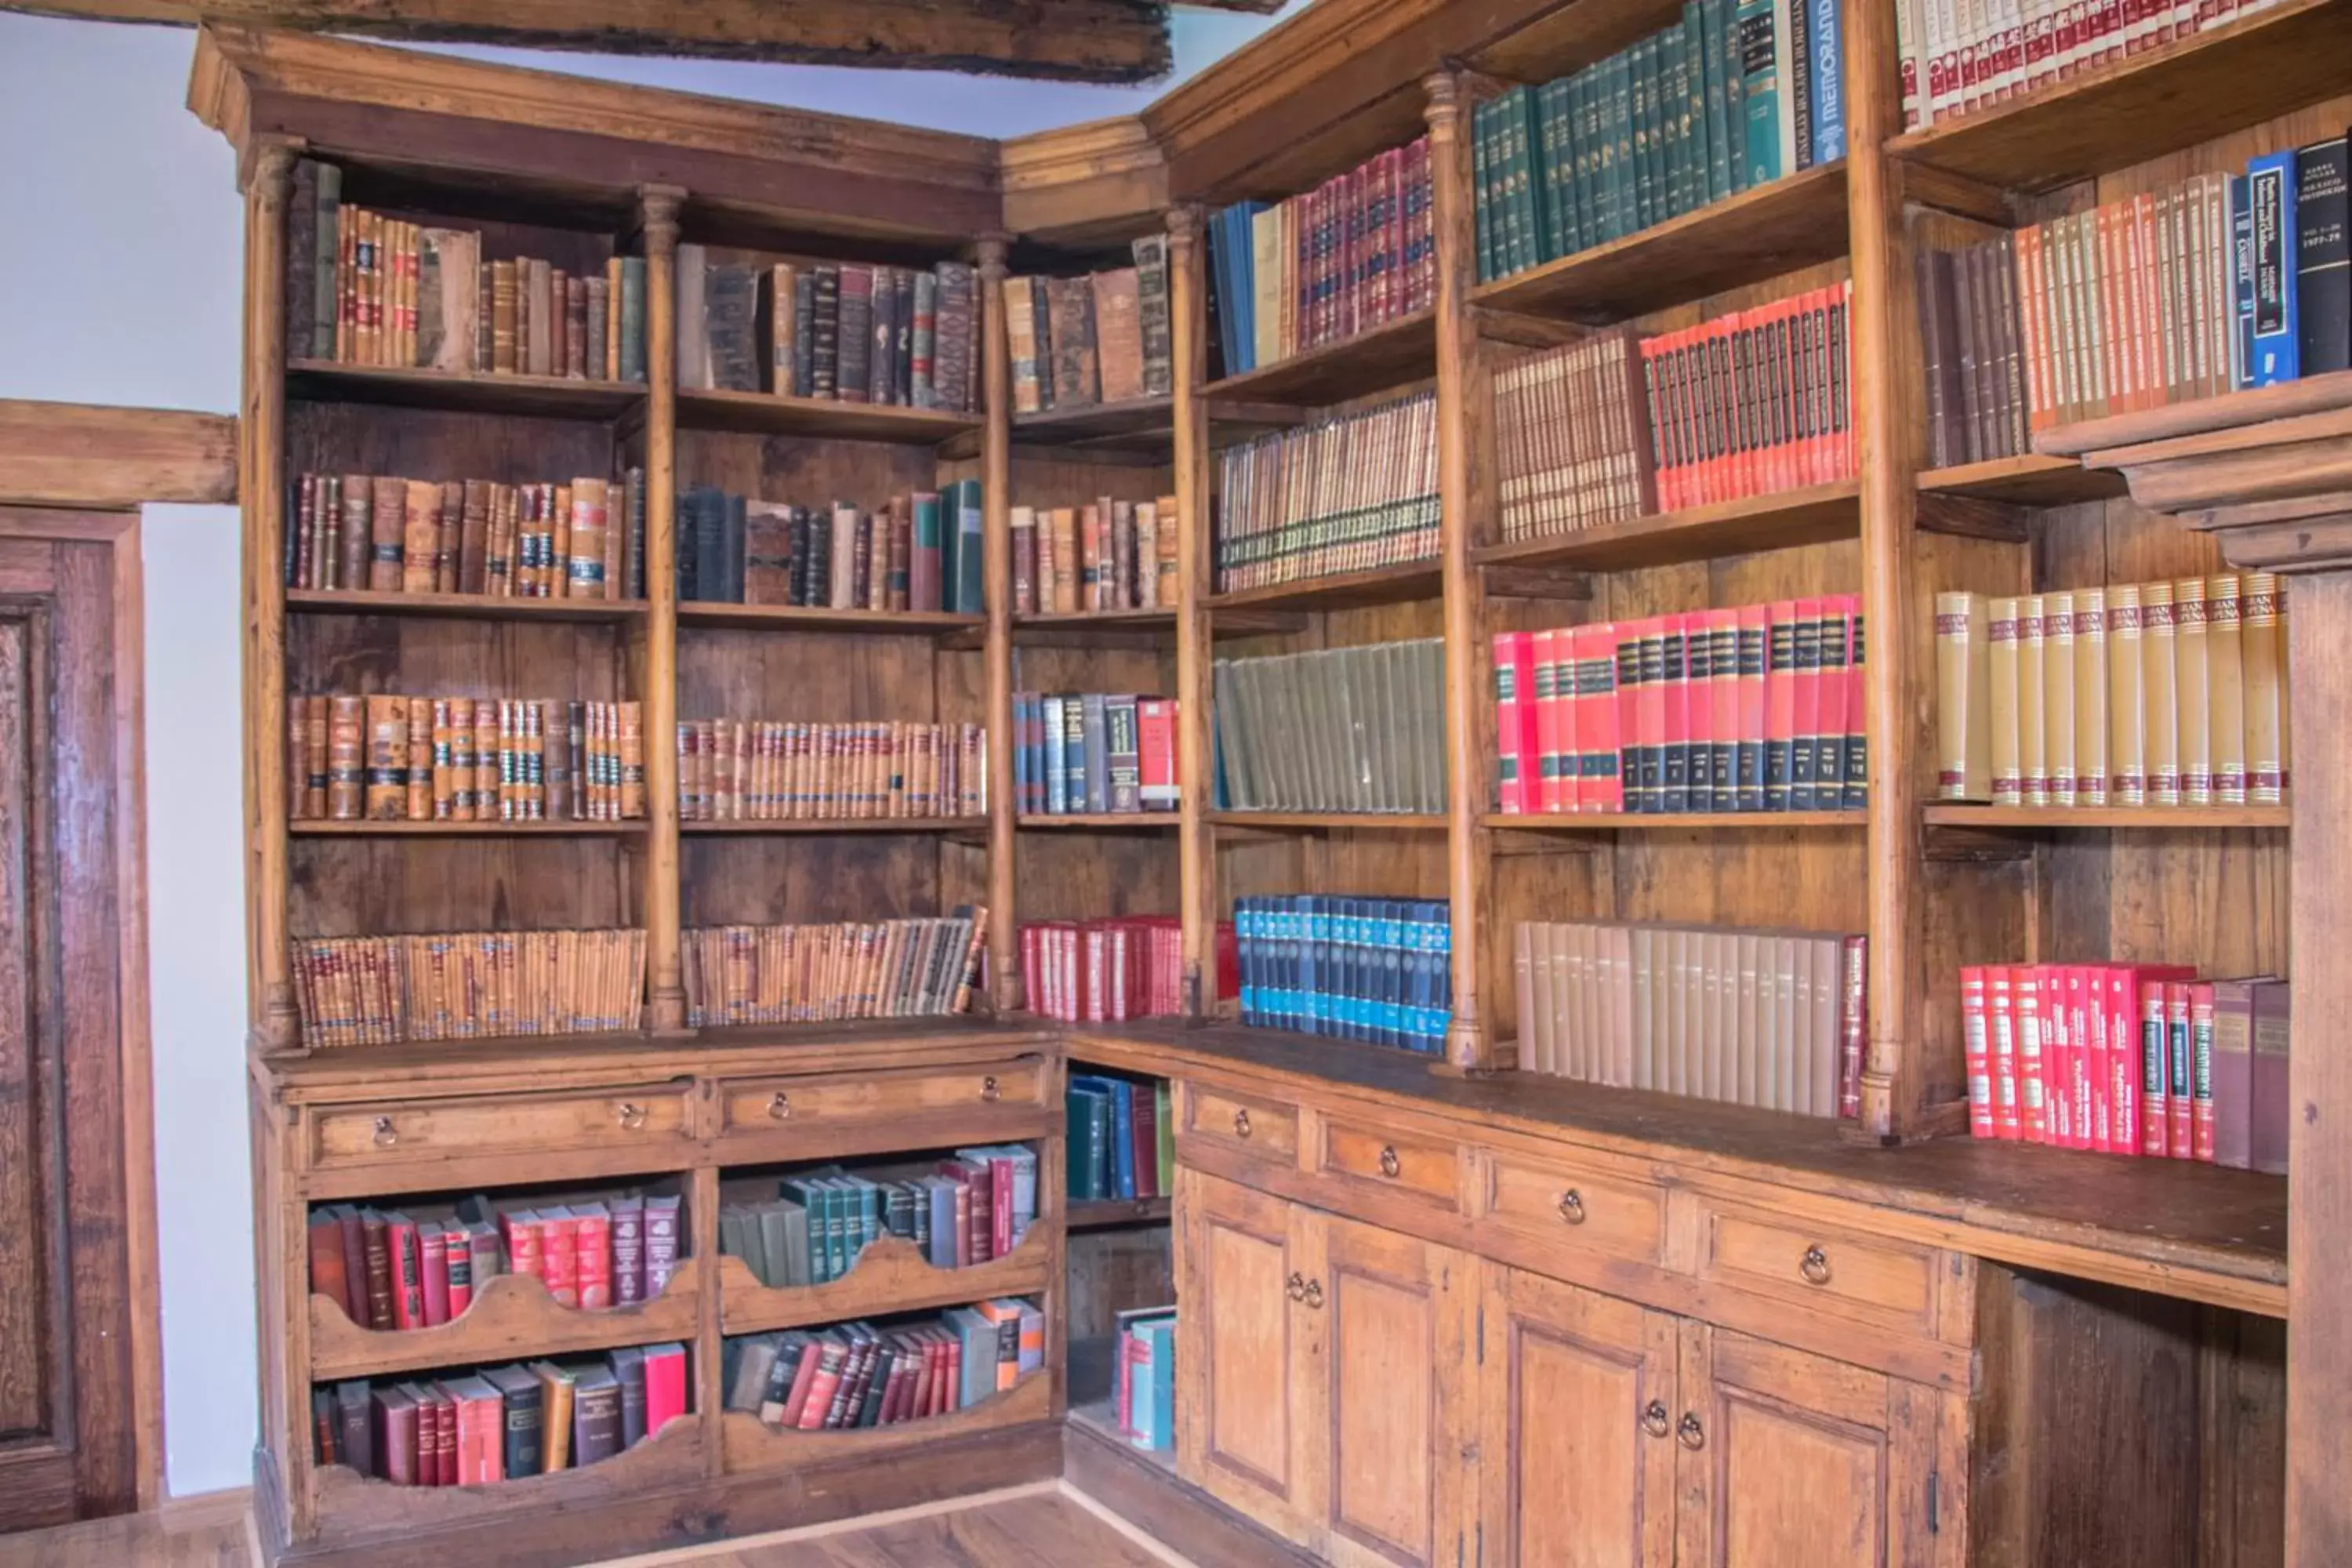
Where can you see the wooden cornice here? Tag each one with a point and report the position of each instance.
(70, 454)
(1100, 180)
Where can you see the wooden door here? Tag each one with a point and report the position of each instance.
(1240, 1341)
(67, 1424)
(1575, 1403)
(1382, 1411)
(1785, 1457)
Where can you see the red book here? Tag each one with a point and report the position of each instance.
(1857, 721)
(479, 1449)
(2098, 1054)
(1000, 1178)
(2000, 1021)
(2200, 1055)
(432, 1265)
(830, 1359)
(2180, 1074)
(457, 1254)
(1147, 1142)
(1699, 709)
(1779, 701)
(559, 1255)
(1673, 710)
(2032, 1087)
(1542, 770)
(407, 1273)
(2126, 1057)
(594, 1271)
(1155, 724)
(524, 1236)
(1514, 690)
(1625, 673)
(2155, 1070)
(444, 1437)
(395, 1411)
(2062, 1014)
(353, 1225)
(1976, 1038)
(1593, 655)
(1559, 788)
(328, 1276)
(664, 1385)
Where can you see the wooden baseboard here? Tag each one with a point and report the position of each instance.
(1146, 1493)
(202, 1510)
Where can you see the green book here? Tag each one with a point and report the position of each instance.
(329, 208)
(1715, 25)
(1087, 1147)
(1690, 110)
(926, 569)
(1506, 195)
(1554, 160)
(1166, 1126)
(1643, 97)
(1585, 103)
(1760, 92)
(1526, 187)
(1482, 181)
(1621, 110)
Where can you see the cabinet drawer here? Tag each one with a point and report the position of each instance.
(1576, 1203)
(1263, 1129)
(1823, 1266)
(521, 1124)
(849, 1100)
(1423, 1168)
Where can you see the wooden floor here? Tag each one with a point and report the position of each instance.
(1042, 1527)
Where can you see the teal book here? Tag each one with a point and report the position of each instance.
(926, 574)
(1724, 157)
(1528, 185)
(1481, 183)
(971, 579)
(1760, 90)
(1644, 59)
(1621, 133)
(1586, 105)
(1674, 108)
(1549, 165)
(633, 317)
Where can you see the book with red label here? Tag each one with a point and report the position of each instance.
(433, 1267)
(559, 1255)
(2154, 1068)
(1515, 688)
(2179, 1073)
(2032, 1083)
(1155, 724)
(593, 1248)
(408, 1273)
(1673, 711)
(1779, 701)
(1599, 782)
(1804, 732)
(458, 1266)
(2000, 1027)
(1975, 1036)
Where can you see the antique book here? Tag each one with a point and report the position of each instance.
(854, 366)
(692, 332)
(2058, 696)
(1963, 769)
(1071, 349)
(1021, 330)
(729, 327)
(1118, 338)
(2032, 702)
(1150, 253)
(2126, 698)
(2262, 657)
(2090, 697)
(2225, 684)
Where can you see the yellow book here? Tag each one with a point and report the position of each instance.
(2127, 720)
(2090, 697)
(2264, 656)
(1266, 283)
(2058, 696)
(2225, 688)
(556, 1414)
(2159, 694)
(1963, 698)
(2007, 765)
(2032, 696)
(2193, 675)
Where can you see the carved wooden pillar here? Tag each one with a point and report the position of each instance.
(657, 208)
(996, 489)
(1196, 846)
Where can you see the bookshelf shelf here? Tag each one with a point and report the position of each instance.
(1672, 821)
(2029, 480)
(2240, 74)
(513, 1312)
(1320, 821)
(635, 828)
(1391, 355)
(890, 1276)
(1122, 821)
(1340, 591)
(816, 618)
(1778, 522)
(767, 414)
(2048, 819)
(1120, 627)
(1106, 1214)
(548, 396)
(1755, 235)
(1134, 420)
(459, 606)
(824, 825)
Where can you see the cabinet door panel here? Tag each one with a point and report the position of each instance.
(1571, 1478)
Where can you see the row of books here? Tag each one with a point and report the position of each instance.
(381, 534)
(388, 758)
(915, 967)
(2133, 694)
(1957, 58)
(1758, 708)
(1754, 403)
(421, 1268)
(1354, 968)
(1572, 438)
(1105, 969)
(920, 552)
(735, 770)
(466, 985)
(1349, 728)
(861, 1374)
(1344, 494)
(966, 1208)
(1771, 1019)
(1099, 338)
(848, 334)
(1735, 94)
(1122, 1137)
(1092, 753)
(2128, 1058)
(363, 287)
(1143, 1363)
(501, 1423)
(1356, 252)
(1106, 556)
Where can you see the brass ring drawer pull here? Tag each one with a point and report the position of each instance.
(1814, 1266)
(386, 1134)
(988, 1089)
(780, 1107)
(1571, 1207)
(633, 1115)
(1389, 1164)
(1315, 1295)
(1296, 1288)
(1693, 1435)
(1654, 1419)
(1241, 1124)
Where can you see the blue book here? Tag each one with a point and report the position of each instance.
(1151, 1388)
(1759, 89)
(2270, 198)
(1050, 744)
(2241, 285)
(1122, 1138)
(971, 579)
(1823, 20)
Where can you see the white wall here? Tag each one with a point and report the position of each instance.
(120, 283)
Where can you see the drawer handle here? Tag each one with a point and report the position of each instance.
(1571, 1209)
(1654, 1419)
(780, 1107)
(1297, 1288)
(1814, 1266)
(1315, 1295)
(988, 1089)
(1389, 1167)
(386, 1134)
(1693, 1435)
(633, 1116)
(1241, 1123)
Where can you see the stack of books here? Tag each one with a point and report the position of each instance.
(733, 770)
(1763, 1018)
(1572, 438)
(1754, 403)
(2128, 1058)
(819, 973)
(1106, 556)
(1354, 968)
(857, 1375)
(846, 333)
(1144, 1364)
(1122, 1138)
(2133, 694)
(464, 759)
(1102, 338)
(1736, 94)
(916, 552)
(1094, 752)
(466, 985)
(584, 540)
(1345, 494)
(1351, 728)
(966, 1208)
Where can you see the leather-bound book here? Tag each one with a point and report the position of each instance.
(389, 523)
(853, 371)
(1070, 326)
(1021, 330)
(730, 325)
(923, 343)
(450, 518)
(631, 354)
(775, 326)
(825, 339)
(486, 294)
(539, 346)
(882, 375)
(503, 305)
(902, 348)
(954, 373)
(355, 494)
(1119, 335)
(596, 351)
(802, 347)
(314, 776)
(767, 553)
(448, 286)
(419, 778)
(1153, 323)
(575, 329)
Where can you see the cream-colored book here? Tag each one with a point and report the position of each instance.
(1822, 1073)
(2286, 709)
(1722, 992)
(1641, 993)
(2126, 698)
(1535, 1029)
(1620, 959)
(2159, 694)
(1265, 277)
(2264, 657)
(2032, 701)
(1785, 1037)
(1748, 1022)
(1554, 999)
(1581, 1050)
(2007, 763)
(2193, 675)
(1963, 698)
(2058, 696)
(1675, 1053)
(2090, 697)
(1800, 1051)
(2225, 688)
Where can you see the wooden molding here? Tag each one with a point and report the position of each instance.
(1067, 183)
(70, 454)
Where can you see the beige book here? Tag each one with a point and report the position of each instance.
(2286, 709)
(1552, 998)
(1266, 276)
(2058, 696)
(2090, 697)
(1963, 698)
(2126, 701)
(1800, 1051)
(2159, 694)
(1746, 1017)
(1668, 1017)
(2007, 761)
(2033, 697)
(1784, 1024)
(2262, 657)
(2193, 685)
(1694, 1013)
(1641, 995)
(1620, 944)
(1531, 1032)
(2225, 688)
(1580, 1018)
(1710, 1031)
(545, 320)
(1822, 1038)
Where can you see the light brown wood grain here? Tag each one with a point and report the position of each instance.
(68, 454)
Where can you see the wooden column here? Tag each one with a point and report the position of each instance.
(1469, 1047)
(1196, 842)
(996, 567)
(658, 209)
(261, 481)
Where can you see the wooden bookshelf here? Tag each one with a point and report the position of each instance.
(2048, 819)
(1101, 1214)
(774, 414)
(819, 619)
(557, 397)
(1780, 520)
(1123, 821)
(1340, 591)
(329, 828)
(1392, 354)
(1673, 821)
(458, 607)
(2028, 479)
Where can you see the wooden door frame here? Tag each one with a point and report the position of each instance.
(72, 471)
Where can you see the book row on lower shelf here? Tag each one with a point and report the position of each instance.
(1367, 969)
(961, 1209)
(1143, 1370)
(501, 1423)
(388, 758)
(1349, 493)
(837, 331)
(734, 769)
(909, 968)
(1103, 337)
(1112, 969)
(2129, 1059)
(466, 985)
(421, 1266)
(1341, 730)
(2133, 694)
(1769, 1019)
(381, 534)
(1094, 752)
(1107, 554)
(1122, 1137)
(918, 551)
(884, 1372)
(1757, 709)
